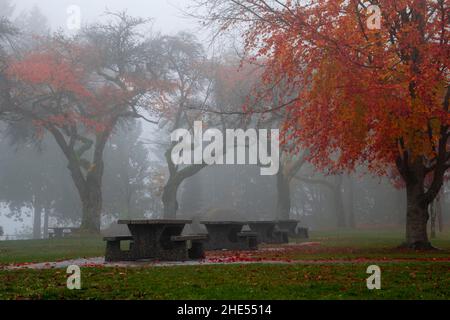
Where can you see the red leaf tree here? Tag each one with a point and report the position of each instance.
(79, 90)
(373, 97)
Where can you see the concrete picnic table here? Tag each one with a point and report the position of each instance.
(269, 232)
(289, 225)
(228, 235)
(154, 239)
(292, 226)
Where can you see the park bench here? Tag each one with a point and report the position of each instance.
(114, 252)
(194, 243)
(268, 232)
(250, 238)
(294, 229)
(228, 235)
(281, 236)
(157, 240)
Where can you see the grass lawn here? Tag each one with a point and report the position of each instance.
(50, 250)
(343, 244)
(421, 276)
(399, 281)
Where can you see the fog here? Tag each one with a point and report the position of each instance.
(38, 175)
(167, 14)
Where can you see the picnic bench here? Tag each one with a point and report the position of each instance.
(268, 232)
(228, 235)
(294, 229)
(155, 239)
(58, 232)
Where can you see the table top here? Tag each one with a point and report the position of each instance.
(154, 222)
(223, 222)
(262, 222)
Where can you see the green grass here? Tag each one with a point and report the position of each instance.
(421, 276)
(293, 282)
(50, 250)
(341, 244)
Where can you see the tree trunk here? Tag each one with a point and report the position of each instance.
(46, 217)
(284, 197)
(169, 199)
(433, 220)
(92, 206)
(37, 220)
(417, 216)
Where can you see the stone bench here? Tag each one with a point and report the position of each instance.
(195, 244)
(281, 235)
(114, 253)
(250, 238)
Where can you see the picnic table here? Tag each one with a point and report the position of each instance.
(58, 232)
(294, 229)
(155, 239)
(228, 235)
(268, 232)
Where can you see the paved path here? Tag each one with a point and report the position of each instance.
(218, 258)
(99, 262)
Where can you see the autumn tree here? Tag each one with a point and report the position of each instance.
(78, 90)
(367, 94)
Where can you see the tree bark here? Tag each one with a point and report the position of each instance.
(46, 217)
(417, 216)
(37, 214)
(433, 220)
(92, 207)
(169, 199)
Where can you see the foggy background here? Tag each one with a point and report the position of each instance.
(167, 14)
(319, 201)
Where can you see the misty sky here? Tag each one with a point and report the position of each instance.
(167, 14)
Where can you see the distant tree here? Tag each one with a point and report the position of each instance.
(127, 174)
(33, 22)
(32, 175)
(183, 60)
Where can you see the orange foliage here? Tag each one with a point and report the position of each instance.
(364, 96)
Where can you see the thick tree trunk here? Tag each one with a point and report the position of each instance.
(284, 197)
(37, 214)
(417, 216)
(92, 206)
(169, 199)
(433, 220)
